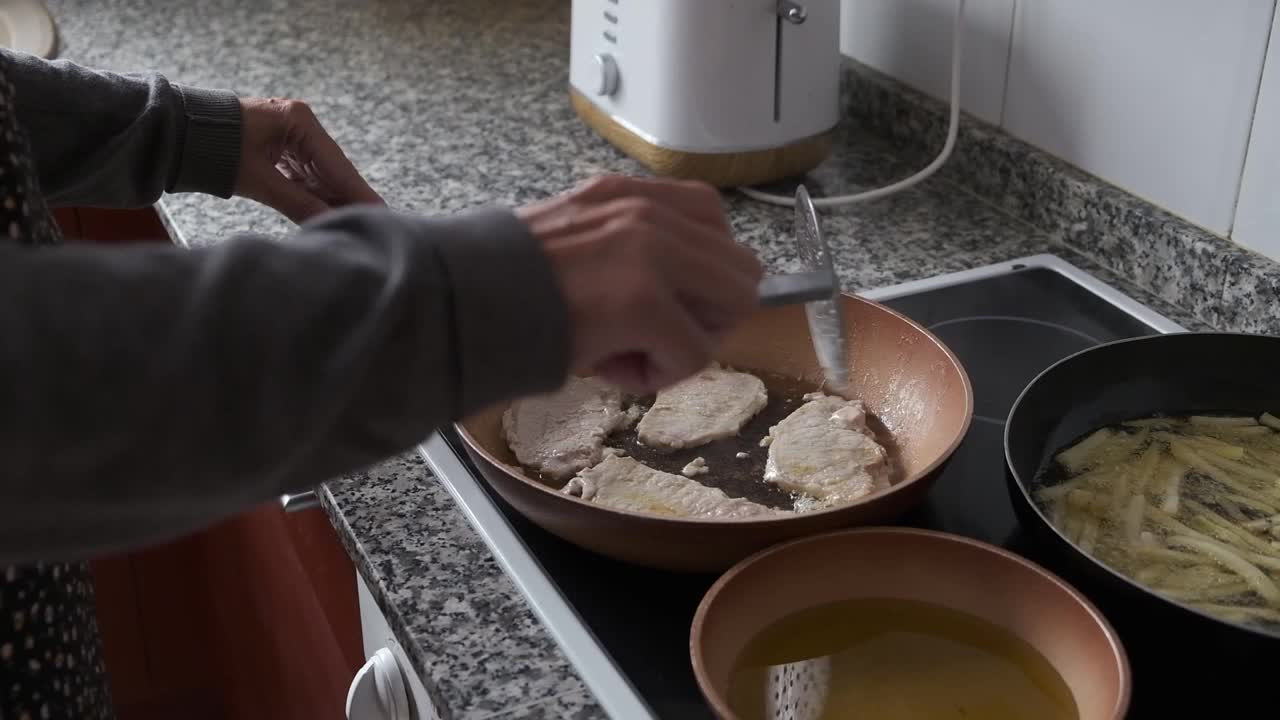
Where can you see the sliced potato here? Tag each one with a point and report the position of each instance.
(1231, 509)
(1220, 592)
(1088, 502)
(1216, 447)
(1155, 422)
(1270, 562)
(1218, 421)
(1058, 514)
(1234, 562)
(1190, 509)
(1134, 515)
(1072, 527)
(1051, 493)
(1240, 470)
(1269, 458)
(1199, 576)
(1079, 456)
(1245, 432)
(1262, 523)
(1119, 493)
(1147, 465)
(1151, 574)
(1255, 505)
(1173, 488)
(1156, 552)
(1240, 613)
(1089, 535)
(1186, 454)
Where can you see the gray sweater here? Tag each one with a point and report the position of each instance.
(148, 390)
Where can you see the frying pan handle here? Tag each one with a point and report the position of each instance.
(299, 502)
(796, 289)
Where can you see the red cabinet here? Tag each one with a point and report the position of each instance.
(254, 617)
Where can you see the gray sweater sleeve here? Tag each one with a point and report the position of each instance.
(149, 390)
(104, 139)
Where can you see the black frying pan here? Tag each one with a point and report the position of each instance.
(1180, 656)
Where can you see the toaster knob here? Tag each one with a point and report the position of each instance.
(792, 11)
(608, 74)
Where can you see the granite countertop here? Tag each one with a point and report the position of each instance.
(449, 104)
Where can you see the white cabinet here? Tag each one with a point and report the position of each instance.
(1258, 212)
(1155, 96)
(911, 40)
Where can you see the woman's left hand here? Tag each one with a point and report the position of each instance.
(289, 163)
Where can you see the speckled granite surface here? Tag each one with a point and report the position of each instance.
(450, 103)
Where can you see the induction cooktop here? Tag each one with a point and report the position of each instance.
(626, 630)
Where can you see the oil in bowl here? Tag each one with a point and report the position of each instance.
(894, 622)
(891, 658)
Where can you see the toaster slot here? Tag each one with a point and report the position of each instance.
(777, 69)
(787, 12)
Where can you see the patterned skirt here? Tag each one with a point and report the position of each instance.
(50, 654)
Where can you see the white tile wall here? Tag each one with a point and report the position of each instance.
(911, 40)
(1155, 96)
(1258, 212)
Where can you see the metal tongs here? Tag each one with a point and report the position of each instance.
(819, 289)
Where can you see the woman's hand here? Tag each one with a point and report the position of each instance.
(289, 163)
(651, 273)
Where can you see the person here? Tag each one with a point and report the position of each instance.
(149, 390)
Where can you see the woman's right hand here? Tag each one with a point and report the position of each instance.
(651, 273)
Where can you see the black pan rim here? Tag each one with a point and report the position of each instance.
(1022, 483)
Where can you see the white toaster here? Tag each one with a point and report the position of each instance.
(733, 92)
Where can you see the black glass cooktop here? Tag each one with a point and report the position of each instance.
(1005, 330)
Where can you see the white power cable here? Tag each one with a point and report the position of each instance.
(957, 35)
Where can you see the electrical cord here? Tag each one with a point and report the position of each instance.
(957, 35)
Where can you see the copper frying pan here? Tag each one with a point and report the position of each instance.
(907, 378)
